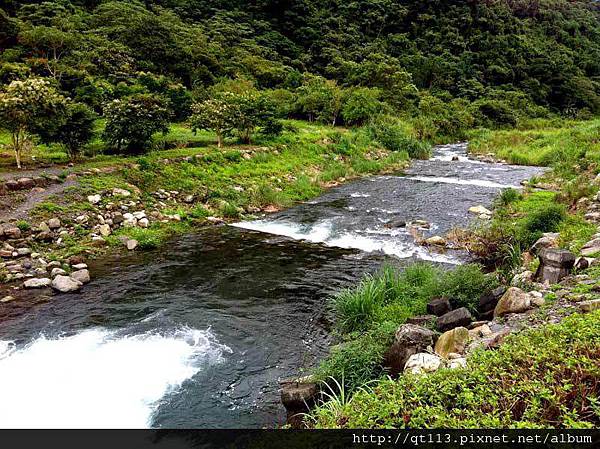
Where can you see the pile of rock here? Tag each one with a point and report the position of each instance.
(38, 182)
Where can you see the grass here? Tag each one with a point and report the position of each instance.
(546, 377)
(369, 314)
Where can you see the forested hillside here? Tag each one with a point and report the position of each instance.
(546, 50)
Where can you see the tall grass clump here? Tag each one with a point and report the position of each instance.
(390, 133)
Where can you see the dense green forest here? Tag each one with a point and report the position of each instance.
(451, 64)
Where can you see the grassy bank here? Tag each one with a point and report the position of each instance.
(546, 377)
(229, 183)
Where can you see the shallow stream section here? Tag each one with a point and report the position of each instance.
(198, 333)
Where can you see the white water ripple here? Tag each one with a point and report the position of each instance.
(98, 379)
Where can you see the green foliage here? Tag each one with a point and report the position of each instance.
(320, 99)
(219, 114)
(361, 104)
(507, 197)
(543, 220)
(131, 122)
(393, 136)
(74, 130)
(515, 387)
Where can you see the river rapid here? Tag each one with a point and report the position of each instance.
(198, 333)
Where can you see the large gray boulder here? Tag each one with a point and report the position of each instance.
(555, 264)
(409, 339)
(65, 284)
(457, 318)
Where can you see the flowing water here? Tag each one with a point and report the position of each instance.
(198, 333)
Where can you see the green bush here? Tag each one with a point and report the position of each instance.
(546, 377)
(464, 285)
(542, 220)
(494, 114)
(392, 135)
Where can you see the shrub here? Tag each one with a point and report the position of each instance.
(131, 122)
(508, 196)
(74, 130)
(538, 221)
(356, 308)
(464, 285)
(360, 104)
(554, 385)
(389, 133)
(494, 114)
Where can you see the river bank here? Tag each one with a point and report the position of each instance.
(539, 332)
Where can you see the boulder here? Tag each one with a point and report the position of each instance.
(8, 298)
(436, 240)
(480, 210)
(548, 240)
(79, 266)
(298, 396)
(422, 363)
(94, 199)
(514, 300)
(37, 283)
(590, 305)
(555, 264)
(82, 276)
(590, 248)
(104, 230)
(65, 284)
(452, 341)
(488, 301)
(409, 339)
(422, 320)
(581, 263)
(143, 222)
(131, 244)
(456, 318)
(396, 223)
(439, 306)
(121, 192)
(57, 272)
(523, 278)
(11, 232)
(25, 183)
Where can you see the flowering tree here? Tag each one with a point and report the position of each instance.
(24, 105)
(219, 114)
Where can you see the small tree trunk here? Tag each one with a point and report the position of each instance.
(17, 143)
(219, 139)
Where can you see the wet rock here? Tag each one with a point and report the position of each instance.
(37, 283)
(408, 340)
(452, 341)
(456, 318)
(397, 223)
(439, 306)
(422, 363)
(590, 305)
(8, 298)
(65, 284)
(514, 300)
(548, 240)
(555, 264)
(436, 240)
(298, 397)
(82, 276)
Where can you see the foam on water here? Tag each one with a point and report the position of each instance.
(322, 232)
(469, 182)
(98, 378)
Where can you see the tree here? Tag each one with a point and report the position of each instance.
(255, 110)
(132, 121)
(26, 104)
(50, 44)
(361, 104)
(74, 131)
(219, 114)
(320, 99)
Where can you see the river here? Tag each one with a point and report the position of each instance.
(198, 333)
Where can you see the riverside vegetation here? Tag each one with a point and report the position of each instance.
(138, 121)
